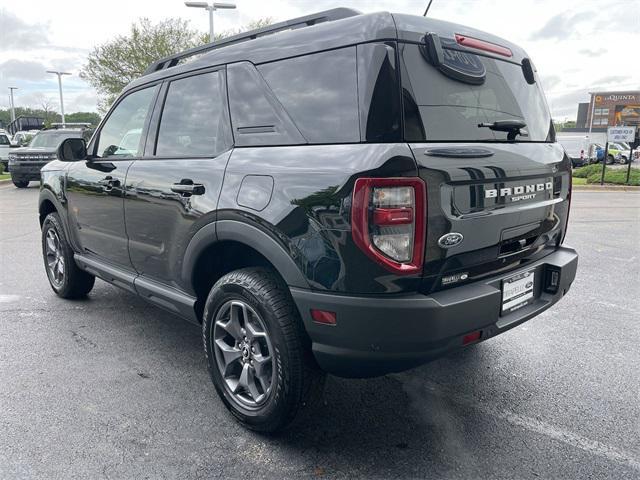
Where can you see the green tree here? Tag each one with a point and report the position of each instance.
(83, 117)
(111, 66)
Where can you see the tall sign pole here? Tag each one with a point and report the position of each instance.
(59, 74)
(13, 108)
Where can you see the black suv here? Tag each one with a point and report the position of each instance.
(25, 162)
(358, 194)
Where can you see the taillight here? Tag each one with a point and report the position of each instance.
(388, 221)
(482, 45)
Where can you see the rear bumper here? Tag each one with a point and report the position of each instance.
(375, 335)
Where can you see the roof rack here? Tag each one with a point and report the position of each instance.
(300, 22)
(58, 126)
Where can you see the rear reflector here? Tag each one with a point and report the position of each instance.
(323, 316)
(471, 337)
(482, 45)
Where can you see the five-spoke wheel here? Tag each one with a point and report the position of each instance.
(66, 279)
(54, 257)
(243, 352)
(257, 352)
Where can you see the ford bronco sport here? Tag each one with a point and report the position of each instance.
(25, 162)
(356, 194)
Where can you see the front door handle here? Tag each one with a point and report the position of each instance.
(186, 188)
(108, 183)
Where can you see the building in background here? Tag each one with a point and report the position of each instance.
(609, 109)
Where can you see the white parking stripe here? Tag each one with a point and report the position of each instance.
(534, 425)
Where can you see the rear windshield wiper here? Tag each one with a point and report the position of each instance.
(512, 127)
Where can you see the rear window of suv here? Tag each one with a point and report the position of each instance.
(442, 108)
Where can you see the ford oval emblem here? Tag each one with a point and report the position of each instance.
(449, 240)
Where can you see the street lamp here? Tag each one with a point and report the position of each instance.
(210, 8)
(13, 109)
(59, 74)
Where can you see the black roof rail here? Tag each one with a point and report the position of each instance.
(300, 22)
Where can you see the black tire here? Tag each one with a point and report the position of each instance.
(20, 183)
(73, 283)
(610, 160)
(295, 377)
(623, 160)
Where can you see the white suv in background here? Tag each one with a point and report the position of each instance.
(5, 145)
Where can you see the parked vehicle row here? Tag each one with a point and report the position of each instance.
(582, 152)
(24, 163)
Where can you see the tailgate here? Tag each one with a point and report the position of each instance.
(490, 207)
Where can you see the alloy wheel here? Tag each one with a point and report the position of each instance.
(55, 257)
(244, 354)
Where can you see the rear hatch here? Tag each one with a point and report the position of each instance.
(498, 193)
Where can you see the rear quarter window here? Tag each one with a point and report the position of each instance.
(319, 92)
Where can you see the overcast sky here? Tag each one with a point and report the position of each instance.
(577, 46)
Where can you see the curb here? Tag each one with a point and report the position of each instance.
(604, 188)
(6, 180)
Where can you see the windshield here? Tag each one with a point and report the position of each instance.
(51, 139)
(450, 103)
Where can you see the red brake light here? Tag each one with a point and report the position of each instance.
(388, 221)
(483, 45)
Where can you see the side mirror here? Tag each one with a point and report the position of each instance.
(72, 150)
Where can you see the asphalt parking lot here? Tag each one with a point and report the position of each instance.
(111, 387)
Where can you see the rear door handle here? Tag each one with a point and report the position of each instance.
(186, 188)
(108, 183)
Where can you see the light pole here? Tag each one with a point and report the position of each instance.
(210, 8)
(59, 74)
(13, 108)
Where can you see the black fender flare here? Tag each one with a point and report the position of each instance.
(46, 194)
(249, 235)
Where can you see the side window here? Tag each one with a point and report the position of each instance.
(319, 92)
(194, 121)
(121, 135)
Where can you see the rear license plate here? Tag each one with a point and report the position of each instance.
(517, 291)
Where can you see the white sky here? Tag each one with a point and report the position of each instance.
(577, 46)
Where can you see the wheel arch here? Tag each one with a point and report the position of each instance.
(227, 245)
(47, 203)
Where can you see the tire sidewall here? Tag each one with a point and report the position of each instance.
(276, 406)
(52, 221)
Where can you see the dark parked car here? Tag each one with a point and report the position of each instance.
(358, 195)
(25, 162)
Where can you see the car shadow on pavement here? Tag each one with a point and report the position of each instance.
(391, 426)
(380, 426)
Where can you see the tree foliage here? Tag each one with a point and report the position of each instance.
(50, 117)
(111, 66)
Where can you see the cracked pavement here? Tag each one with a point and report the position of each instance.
(111, 387)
